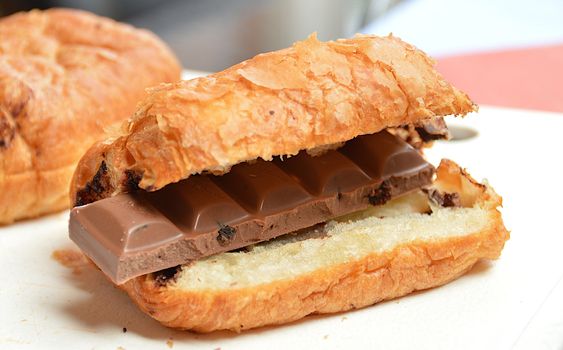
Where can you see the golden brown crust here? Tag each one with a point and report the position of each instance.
(310, 95)
(355, 284)
(65, 75)
(348, 286)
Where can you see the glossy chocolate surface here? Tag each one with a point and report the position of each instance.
(133, 234)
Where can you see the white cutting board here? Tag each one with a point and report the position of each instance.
(516, 301)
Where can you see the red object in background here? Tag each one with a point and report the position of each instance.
(529, 78)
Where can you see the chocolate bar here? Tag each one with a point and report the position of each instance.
(132, 234)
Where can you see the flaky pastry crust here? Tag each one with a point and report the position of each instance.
(65, 76)
(355, 284)
(310, 95)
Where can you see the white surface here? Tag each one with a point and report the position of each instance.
(517, 300)
(445, 27)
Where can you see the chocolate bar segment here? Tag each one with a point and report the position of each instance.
(381, 155)
(129, 235)
(324, 175)
(122, 226)
(262, 188)
(196, 205)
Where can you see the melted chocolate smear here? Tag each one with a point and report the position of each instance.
(444, 199)
(94, 189)
(435, 129)
(380, 195)
(132, 179)
(225, 234)
(163, 277)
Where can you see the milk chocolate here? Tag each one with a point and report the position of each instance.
(420, 135)
(432, 130)
(132, 234)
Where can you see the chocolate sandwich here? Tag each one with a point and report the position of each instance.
(274, 189)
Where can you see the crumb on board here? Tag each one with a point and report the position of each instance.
(120, 348)
(124, 329)
(70, 258)
(170, 343)
(326, 336)
(343, 318)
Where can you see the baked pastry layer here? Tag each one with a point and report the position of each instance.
(311, 95)
(65, 76)
(361, 259)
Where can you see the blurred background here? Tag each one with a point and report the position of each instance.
(214, 34)
(481, 45)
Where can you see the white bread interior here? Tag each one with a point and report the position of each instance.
(385, 252)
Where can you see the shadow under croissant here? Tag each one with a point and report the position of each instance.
(108, 306)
